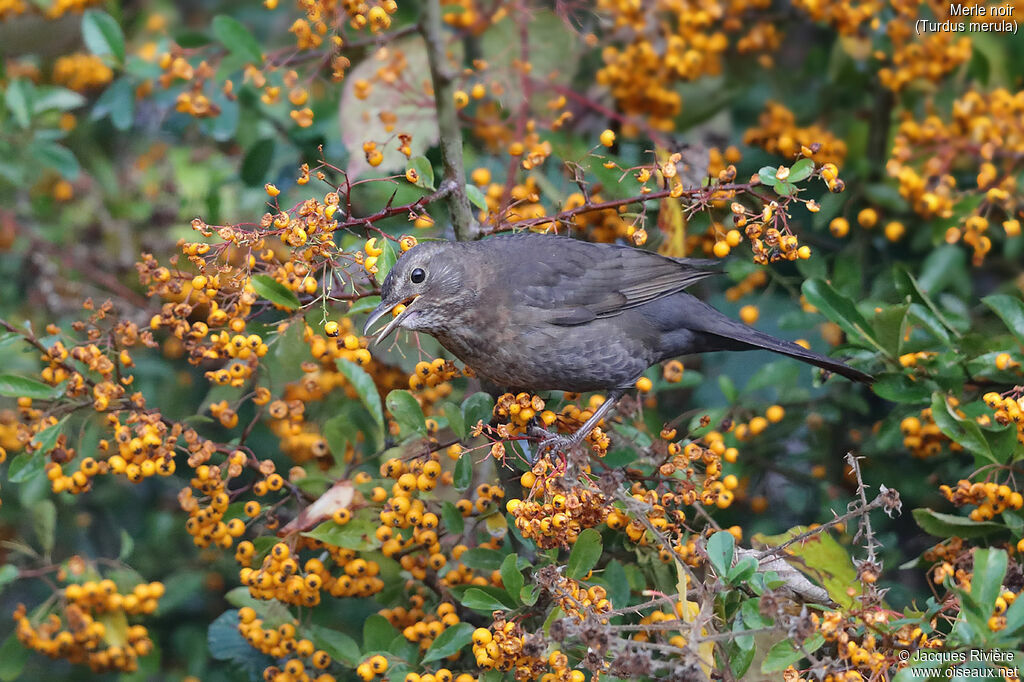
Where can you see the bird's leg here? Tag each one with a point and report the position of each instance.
(559, 443)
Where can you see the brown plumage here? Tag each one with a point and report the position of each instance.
(537, 312)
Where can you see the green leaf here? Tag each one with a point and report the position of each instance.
(941, 268)
(886, 196)
(801, 170)
(453, 520)
(365, 388)
(752, 618)
(899, 388)
(269, 288)
(529, 594)
(728, 389)
(256, 163)
(767, 174)
(190, 39)
(424, 172)
(840, 310)
(45, 440)
(340, 646)
(20, 100)
(449, 642)
(10, 339)
(496, 525)
(386, 260)
(511, 576)
(57, 157)
(25, 466)
(477, 599)
(358, 534)
(1010, 310)
(741, 653)
(102, 34)
(584, 555)
(13, 657)
(614, 579)
(364, 305)
(987, 581)
(821, 558)
(720, 548)
(377, 633)
(232, 34)
(463, 475)
(1014, 521)
(226, 643)
(482, 559)
(1014, 617)
(339, 431)
(14, 386)
(8, 574)
(947, 525)
(55, 98)
(782, 655)
(476, 197)
(455, 420)
(44, 523)
(407, 412)
(784, 188)
(743, 569)
(117, 102)
(909, 286)
(477, 407)
(273, 612)
(889, 327)
(963, 431)
(127, 545)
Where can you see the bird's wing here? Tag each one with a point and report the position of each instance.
(577, 282)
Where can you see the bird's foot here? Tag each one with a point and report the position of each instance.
(552, 443)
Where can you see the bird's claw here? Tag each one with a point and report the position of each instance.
(552, 443)
(556, 444)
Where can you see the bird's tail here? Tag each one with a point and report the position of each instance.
(766, 341)
(730, 334)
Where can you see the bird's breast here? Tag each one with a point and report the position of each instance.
(517, 348)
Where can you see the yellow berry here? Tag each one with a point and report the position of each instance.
(894, 231)
(867, 218)
(839, 227)
(749, 314)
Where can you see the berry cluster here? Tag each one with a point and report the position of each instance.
(93, 630)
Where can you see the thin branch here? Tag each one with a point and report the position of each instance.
(887, 499)
(567, 215)
(454, 182)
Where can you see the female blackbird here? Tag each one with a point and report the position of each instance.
(540, 312)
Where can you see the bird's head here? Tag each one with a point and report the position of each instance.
(429, 280)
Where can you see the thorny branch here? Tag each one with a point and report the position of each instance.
(887, 498)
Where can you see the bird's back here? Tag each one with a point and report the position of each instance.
(559, 313)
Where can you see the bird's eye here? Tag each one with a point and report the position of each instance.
(418, 275)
